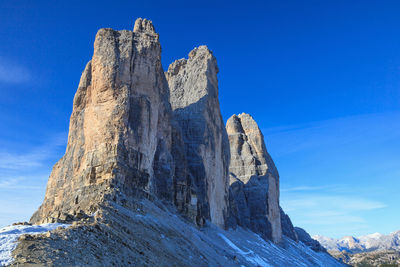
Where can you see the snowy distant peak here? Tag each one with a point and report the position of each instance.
(397, 233)
(374, 236)
(371, 242)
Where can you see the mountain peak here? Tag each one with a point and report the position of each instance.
(371, 242)
(144, 25)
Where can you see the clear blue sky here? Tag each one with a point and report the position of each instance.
(322, 79)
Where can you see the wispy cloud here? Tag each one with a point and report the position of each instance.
(321, 210)
(36, 157)
(339, 176)
(11, 72)
(23, 176)
(330, 203)
(334, 133)
(24, 169)
(8, 183)
(16, 161)
(19, 183)
(303, 188)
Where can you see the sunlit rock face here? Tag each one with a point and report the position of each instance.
(121, 135)
(194, 99)
(254, 180)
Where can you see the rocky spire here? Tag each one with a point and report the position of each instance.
(254, 179)
(144, 25)
(194, 99)
(120, 137)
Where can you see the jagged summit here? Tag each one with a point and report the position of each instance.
(200, 50)
(144, 25)
(183, 72)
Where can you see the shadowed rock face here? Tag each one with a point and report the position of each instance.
(121, 134)
(194, 99)
(254, 179)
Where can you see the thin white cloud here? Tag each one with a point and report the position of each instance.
(7, 183)
(358, 153)
(23, 177)
(11, 72)
(303, 188)
(16, 162)
(334, 133)
(331, 202)
(12, 160)
(326, 210)
(20, 183)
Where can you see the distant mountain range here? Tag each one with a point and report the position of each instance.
(367, 243)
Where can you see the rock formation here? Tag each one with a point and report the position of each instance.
(194, 99)
(121, 135)
(254, 179)
(124, 141)
(149, 161)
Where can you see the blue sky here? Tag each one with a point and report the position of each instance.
(322, 79)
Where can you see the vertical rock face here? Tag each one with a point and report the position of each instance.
(194, 99)
(254, 180)
(120, 138)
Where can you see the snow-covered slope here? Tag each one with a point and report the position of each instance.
(257, 252)
(9, 236)
(153, 236)
(371, 242)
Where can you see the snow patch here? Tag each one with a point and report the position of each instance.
(249, 255)
(10, 234)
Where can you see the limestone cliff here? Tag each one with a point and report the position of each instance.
(194, 99)
(149, 161)
(121, 135)
(254, 179)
